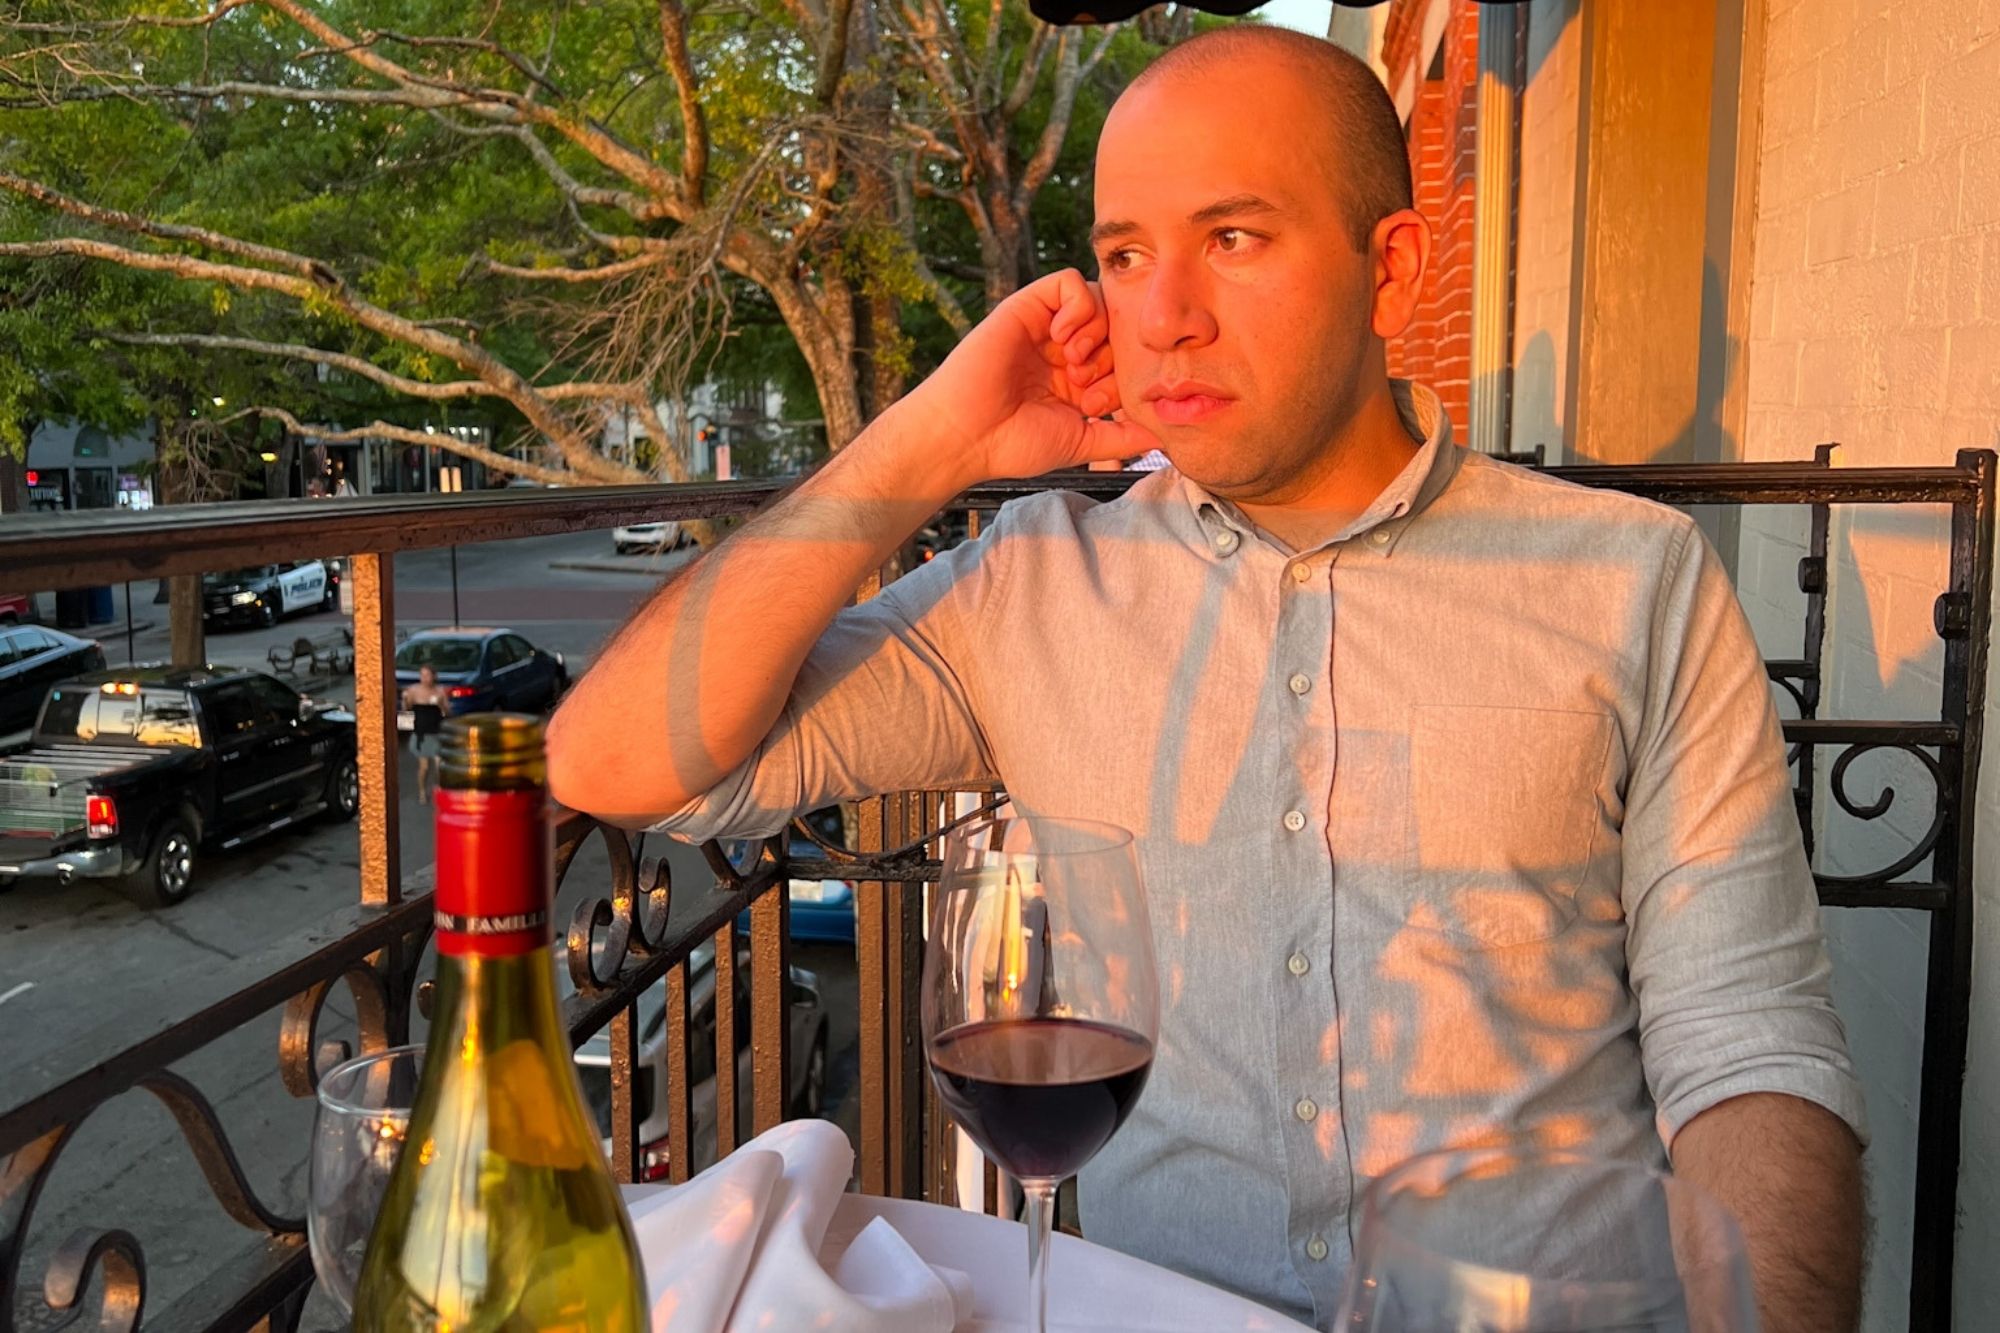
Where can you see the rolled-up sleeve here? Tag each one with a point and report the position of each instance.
(880, 705)
(1724, 945)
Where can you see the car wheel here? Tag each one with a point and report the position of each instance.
(267, 615)
(812, 1097)
(343, 791)
(7, 883)
(168, 870)
(331, 600)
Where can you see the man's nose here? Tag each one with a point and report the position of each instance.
(1176, 311)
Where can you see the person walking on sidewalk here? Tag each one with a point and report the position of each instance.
(426, 702)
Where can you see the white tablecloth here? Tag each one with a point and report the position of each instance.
(1090, 1287)
(768, 1241)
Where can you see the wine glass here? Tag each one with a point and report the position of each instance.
(358, 1131)
(1041, 1006)
(1502, 1240)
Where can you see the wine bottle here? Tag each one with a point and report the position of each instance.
(501, 1213)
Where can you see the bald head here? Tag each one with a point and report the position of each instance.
(1367, 159)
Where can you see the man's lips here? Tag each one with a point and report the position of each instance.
(1185, 402)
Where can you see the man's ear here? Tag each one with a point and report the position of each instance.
(1400, 248)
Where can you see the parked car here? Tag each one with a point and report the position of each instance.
(483, 670)
(260, 594)
(822, 909)
(135, 772)
(16, 607)
(637, 537)
(805, 1086)
(31, 660)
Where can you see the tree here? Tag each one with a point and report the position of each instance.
(544, 210)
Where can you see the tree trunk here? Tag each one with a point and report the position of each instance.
(188, 639)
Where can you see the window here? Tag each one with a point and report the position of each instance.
(439, 654)
(236, 710)
(30, 642)
(71, 712)
(278, 699)
(150, 717)
(10, 650)
(506, 650)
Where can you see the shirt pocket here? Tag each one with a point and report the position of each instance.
(1502, 814)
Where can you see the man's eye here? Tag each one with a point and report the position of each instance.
(1233, 240)
(1117, 260)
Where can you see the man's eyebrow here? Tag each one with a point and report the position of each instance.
(1236, 205)
(1110, 231)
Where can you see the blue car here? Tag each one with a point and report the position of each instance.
(822, 909)
(483, 670)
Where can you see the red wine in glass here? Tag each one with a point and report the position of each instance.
(1040, 1097)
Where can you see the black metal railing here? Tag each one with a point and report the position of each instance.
(620, 943)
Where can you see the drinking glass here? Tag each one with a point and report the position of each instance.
(1499, 1240)
(358, 1130)
(1041, 1005)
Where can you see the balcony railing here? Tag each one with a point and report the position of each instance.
(620, 942)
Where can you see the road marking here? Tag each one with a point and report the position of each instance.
(26, 985)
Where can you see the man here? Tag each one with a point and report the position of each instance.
(1458, 789)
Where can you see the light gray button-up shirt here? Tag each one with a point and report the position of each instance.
(1474, 820)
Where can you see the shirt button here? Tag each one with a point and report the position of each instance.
(1225, 541)
(1301, 572)
(1300, 683)
(1298, 965)
(1306, 1109)
(1316, 1248)
(1380, 536)
(1294, 820)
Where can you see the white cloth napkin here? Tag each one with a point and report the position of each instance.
(736, 1249)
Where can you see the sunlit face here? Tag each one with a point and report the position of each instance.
(1239, 305)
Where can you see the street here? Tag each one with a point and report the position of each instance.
(76, 960)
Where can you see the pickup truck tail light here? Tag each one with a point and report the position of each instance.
(101, 815)
(461, 692)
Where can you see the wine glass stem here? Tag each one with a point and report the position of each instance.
(1041, 1222)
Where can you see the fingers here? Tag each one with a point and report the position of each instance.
(1118, 439)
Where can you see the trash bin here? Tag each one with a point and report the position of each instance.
(102, 610)
(72, 608)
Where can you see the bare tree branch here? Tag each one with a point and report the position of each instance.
(602, 273)
(1030, 72)
(694, 125)
(445, 391)
(506, 382)
(383, 430)
(499, 104)
(135, 21)
(212, 240)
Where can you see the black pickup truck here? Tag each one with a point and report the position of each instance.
(133, 772)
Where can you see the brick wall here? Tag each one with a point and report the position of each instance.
(1875, 321)
(1437, 347)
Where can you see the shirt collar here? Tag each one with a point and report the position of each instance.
(1224, 527)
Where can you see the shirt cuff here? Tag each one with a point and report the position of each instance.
(1821, 1085)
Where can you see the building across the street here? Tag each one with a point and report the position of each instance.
(75, 465)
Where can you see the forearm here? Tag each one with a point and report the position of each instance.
(1790, 1172)
(699, 677)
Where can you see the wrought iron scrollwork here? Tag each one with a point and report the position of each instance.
(604, 932)
(117, 1255)
(1880, 806)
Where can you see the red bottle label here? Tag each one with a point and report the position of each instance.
(495, 851)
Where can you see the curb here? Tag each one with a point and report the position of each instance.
(606, 567)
